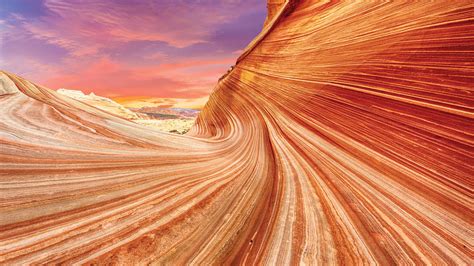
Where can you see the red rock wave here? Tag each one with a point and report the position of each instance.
(342, 136)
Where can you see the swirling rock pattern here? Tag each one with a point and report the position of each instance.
(344, 135)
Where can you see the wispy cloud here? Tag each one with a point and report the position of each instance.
(156, 48)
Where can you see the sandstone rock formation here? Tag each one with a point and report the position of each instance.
(342, 136)
(180, 120)
(100, 102)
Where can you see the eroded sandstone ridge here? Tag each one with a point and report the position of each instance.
(342, 136)
(174, 120)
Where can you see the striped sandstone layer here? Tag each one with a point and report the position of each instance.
(342, 136)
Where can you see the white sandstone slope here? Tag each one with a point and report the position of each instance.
(178, 125)
(103, 103)
(6, 85)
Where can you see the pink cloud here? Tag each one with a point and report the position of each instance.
(105, 77)
(124, 48)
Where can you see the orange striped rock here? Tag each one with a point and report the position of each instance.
(344, 135)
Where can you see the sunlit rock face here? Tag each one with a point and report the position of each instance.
(100, 102)
(273, 6)
(175, 120)
(342, 136)
(7, 86)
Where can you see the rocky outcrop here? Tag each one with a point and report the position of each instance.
(6, 85)
(343, 135)
(172, 120)
(273, 6)
(103, 103)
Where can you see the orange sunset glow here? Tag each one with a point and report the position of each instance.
(143, 101)
(170, 50)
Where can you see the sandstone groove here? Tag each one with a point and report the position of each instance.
(344, 135)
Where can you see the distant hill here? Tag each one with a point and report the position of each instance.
(167, 113)
(100, 102)
(173, 120)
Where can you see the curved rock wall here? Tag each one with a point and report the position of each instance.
(342, 136)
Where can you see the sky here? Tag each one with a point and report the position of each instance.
(130, 50)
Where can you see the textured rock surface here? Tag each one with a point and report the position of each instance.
(6, 85)
(342, 136)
